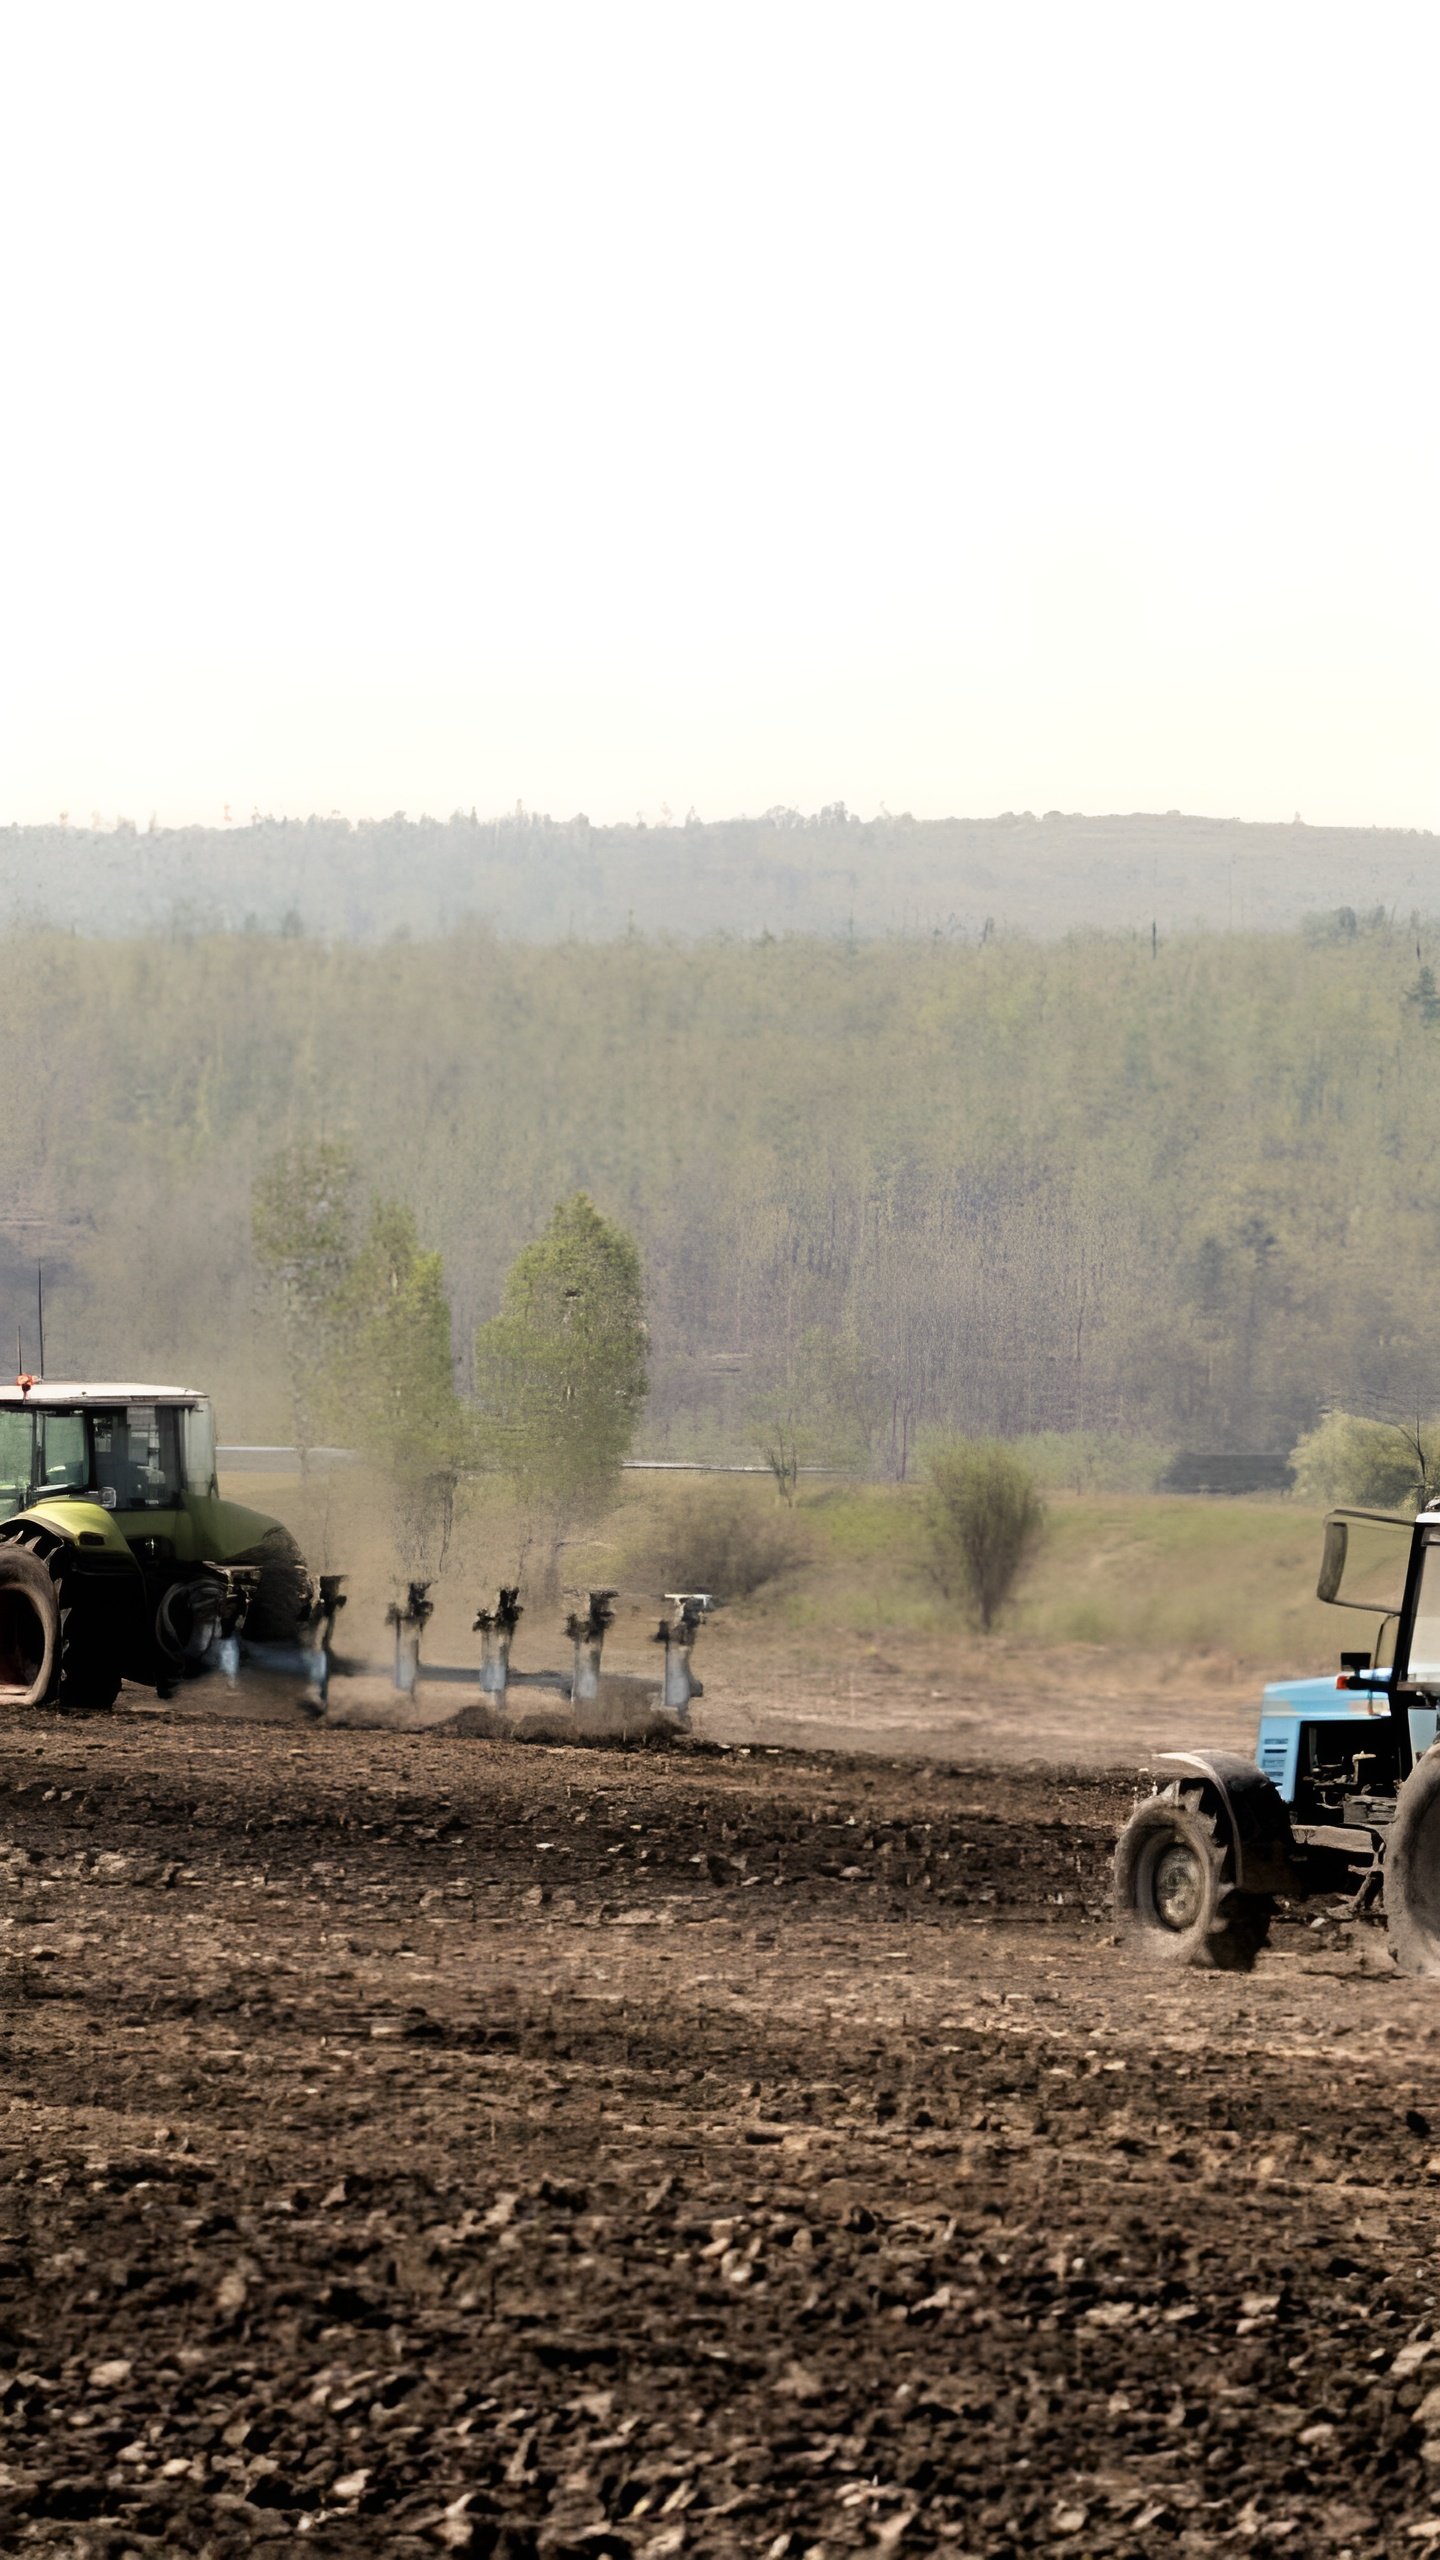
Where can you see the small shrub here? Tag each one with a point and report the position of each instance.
(1349, 1459)
(722, 1538)
(983, 1518)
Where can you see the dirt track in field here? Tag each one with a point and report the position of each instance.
(414, 2144)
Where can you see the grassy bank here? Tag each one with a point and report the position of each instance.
(1131, 1573)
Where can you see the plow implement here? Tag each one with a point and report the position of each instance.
(489, 1695)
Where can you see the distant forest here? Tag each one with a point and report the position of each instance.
(1015, 1187)
(541, 879)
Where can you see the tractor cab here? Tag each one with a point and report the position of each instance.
(133, 1450)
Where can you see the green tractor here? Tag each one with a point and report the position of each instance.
(119, 1559)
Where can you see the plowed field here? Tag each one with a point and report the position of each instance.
(416, 2144)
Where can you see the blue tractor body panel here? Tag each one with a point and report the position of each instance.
(1289, 1706)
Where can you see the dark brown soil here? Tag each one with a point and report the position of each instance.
(415, 2144)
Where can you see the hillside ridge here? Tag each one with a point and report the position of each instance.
(540, 878)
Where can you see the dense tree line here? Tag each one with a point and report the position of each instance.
(879, 1190)
(785, 871)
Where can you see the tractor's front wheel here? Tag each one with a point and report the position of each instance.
(1175, 1895)
(188, 1618)
(1412, 1870)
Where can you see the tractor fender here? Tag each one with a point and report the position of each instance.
(1255, 1814)
(67, 1528)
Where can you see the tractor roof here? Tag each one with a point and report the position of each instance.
(72, 1391)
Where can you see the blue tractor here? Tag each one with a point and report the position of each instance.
(1342, 1797)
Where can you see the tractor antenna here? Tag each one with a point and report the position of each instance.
(40, 1310)
(1417, 1446)
(19, 1353)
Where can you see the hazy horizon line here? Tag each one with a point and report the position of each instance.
(664, 820)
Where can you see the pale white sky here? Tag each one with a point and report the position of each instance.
(958, 407)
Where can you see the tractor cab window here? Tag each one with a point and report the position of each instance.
(1365, 1560)
(1424, 1663)
(137, 1457)
(17, 1461)
(63, 1458)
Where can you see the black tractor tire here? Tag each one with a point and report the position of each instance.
(88, 1674)
(1412, 1870)
(29, 1628)
(1175, 1896)
(282, 1598)
(187, 1625)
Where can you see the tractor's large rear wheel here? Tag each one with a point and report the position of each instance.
(29, 1628)
(1175, 1894)
(1412, 1870)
